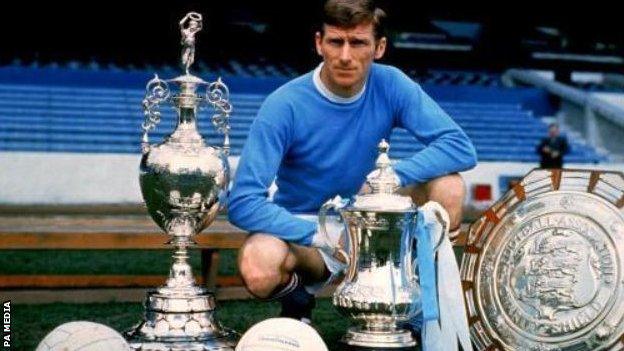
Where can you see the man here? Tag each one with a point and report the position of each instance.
(317, 137)
(552, 148)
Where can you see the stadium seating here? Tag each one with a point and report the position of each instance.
(500, 132)
(53, 118)
(440, 77)
(598, 87)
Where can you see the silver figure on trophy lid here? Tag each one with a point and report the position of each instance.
(184, 183)
(189, 26)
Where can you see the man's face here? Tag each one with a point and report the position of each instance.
(348, 53)
(553, 131)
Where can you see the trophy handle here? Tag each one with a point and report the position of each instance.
(156, 91)
(218, 95)
(335, 204)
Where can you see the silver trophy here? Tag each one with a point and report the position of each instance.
(184, 183)
(381, 290)
(543, 267)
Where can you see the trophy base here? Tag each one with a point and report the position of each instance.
(176, 322)
(359, 339)
(207, 345)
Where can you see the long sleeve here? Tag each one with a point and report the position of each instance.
(448, 149)
(249, 207)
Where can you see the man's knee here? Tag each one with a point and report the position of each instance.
(449, 189)
(262, 262)
(450, 192)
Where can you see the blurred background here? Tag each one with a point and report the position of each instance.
(72, 78)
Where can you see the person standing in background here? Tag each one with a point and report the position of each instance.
(552, 148)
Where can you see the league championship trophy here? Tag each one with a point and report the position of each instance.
(184, 182)
(381, 289)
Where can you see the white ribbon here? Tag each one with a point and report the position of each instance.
(443, 335)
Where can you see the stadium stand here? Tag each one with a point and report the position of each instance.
(598, 87)
(596, 116)
(440, 77)
(47, 117)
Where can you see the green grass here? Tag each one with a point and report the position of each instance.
(31, 323)
(102, 261)
(108, 261)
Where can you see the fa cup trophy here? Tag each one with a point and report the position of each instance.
(381, 290)
(184, 183)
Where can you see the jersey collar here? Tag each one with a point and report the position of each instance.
(323, 90)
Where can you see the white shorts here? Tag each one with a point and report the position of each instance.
(335, 229)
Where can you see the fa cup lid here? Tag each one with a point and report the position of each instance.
(384, 183)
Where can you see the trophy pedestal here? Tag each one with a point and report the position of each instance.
(180, 320)
(180, 315)
(358, 338)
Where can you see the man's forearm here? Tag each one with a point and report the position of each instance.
(442, 157)
(257, 215)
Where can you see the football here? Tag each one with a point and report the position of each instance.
(83, 336)
(284, 334)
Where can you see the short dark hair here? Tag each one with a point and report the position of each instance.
(350, 13)
(553, 125)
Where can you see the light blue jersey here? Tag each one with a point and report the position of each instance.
(316, 147)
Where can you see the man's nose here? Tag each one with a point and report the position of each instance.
(345, 54)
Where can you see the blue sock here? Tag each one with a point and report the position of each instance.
(298, 303)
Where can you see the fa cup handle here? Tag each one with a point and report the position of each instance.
(156, 91)
(335, 204)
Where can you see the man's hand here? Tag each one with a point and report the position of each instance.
(336, 249)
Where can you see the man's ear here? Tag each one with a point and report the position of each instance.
(317, 40)
(380, 48)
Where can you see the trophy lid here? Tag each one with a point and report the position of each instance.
(384, 183)
(189, 79)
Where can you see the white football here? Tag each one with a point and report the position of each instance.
(83, 336)
(284, 334)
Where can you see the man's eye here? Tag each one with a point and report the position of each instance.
(336, 42)
(358, 43)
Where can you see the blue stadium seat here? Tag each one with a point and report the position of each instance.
(100, 120)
